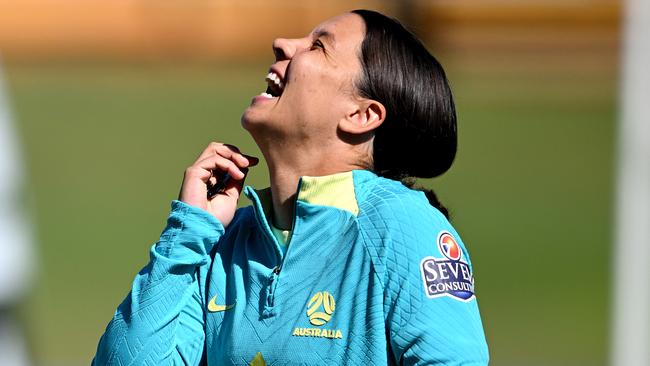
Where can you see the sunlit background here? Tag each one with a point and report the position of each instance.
(111, 100)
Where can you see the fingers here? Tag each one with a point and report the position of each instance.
(229, 152)
(215, 180)
(204, 169)
(233, 168)
(220, 162)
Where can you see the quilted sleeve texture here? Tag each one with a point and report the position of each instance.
(161, 321)
(431, 313)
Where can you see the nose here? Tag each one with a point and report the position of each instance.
(282, 49)
(285, 49)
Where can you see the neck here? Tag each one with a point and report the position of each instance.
(285, 172)
(288, 160)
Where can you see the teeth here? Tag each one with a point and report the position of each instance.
(275, 78)
(266, 95)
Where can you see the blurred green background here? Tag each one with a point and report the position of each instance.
(106, 142)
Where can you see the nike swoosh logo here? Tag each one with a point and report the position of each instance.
(213, 307)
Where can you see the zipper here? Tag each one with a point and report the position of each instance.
(275, 274)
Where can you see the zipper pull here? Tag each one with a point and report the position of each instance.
(273, 283)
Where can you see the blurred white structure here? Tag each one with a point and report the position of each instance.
(16, 249)
(631, 292)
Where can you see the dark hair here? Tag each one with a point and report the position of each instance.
(418, 136)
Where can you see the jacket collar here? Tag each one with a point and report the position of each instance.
(335, 190)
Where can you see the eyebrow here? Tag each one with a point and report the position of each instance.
(318, 33)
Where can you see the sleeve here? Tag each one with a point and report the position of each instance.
(161, 320)
(432, 316)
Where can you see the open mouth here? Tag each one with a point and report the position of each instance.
(275, 85)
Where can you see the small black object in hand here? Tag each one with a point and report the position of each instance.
(222, 182)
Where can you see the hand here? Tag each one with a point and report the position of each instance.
(216, 160)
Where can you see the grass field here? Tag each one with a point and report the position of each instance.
(106, 147)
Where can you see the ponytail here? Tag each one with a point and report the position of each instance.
(418, 137)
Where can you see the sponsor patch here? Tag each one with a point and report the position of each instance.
(450, 275)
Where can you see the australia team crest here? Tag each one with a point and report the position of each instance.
(449, 275)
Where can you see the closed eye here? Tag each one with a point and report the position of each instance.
(317, 44)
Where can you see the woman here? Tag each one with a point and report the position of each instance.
(351, 267)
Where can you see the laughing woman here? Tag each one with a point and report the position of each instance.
(338, 262)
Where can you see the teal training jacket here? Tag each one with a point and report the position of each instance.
(373, 275)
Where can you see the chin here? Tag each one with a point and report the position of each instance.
(249, 119)
(245, 121)
(253, 122)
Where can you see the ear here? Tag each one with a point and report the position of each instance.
(363, 117)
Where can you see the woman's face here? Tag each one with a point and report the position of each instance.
(311, 84)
